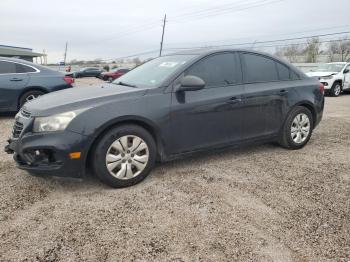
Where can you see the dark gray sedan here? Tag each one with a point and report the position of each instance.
(22, 81)
(86, 72)
(170, 107)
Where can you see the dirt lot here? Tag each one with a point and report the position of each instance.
(261, 203)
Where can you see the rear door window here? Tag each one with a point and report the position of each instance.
(216, 70)
(259, 68)
(7, 67)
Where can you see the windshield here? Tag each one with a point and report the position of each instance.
(154, 72)
(330, 68)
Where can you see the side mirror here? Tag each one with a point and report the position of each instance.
(191, 83)
(346, 71)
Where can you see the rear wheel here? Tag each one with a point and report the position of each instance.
(124, 156)
(297, 128)
(336, 89)
(29, 96)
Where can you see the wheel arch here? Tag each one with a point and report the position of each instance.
(340, 81)
(310, 107)
(28, 89)
(144, 123)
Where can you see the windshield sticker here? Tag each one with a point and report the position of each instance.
(168, 64)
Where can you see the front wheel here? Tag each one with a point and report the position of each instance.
(124, 156)
(297, 128)
(336, 89)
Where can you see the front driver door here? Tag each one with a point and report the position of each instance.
(211, 116)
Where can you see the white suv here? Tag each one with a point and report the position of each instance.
(334, 76)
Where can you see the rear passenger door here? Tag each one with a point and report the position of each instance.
(268, 84)
(12, 81)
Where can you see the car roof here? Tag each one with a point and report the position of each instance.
(208, 51)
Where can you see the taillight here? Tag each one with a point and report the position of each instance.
(69, 80)
(321, 88)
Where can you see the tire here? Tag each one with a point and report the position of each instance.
(110, 79)
(336, 89)
(120, 168)
(293, 135)
(30, 95)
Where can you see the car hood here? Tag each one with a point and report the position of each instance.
(320, 74)
(81, 98)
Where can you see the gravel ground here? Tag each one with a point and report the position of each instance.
(261, 203)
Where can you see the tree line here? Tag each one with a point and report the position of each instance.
(335, 51)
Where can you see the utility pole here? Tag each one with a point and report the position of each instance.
(161, 43)
(65, 54)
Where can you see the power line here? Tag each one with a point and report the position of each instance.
(206, 12)
(303, 43)
(255, 47)
(222, 11)
(132, 55)
(216, 8)
(263, 42)
(263, 36)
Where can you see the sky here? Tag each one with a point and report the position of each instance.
(110, 29)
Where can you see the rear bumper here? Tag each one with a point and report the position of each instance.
(49, 154)
(319, 112)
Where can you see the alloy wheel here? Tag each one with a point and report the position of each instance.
(127, 157)
(337, 89)
(300, 128)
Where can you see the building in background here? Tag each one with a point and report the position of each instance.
(22, 53)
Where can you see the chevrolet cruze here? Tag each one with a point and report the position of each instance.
(170, 107)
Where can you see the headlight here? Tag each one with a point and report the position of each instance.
(327, 77)
(53, 123)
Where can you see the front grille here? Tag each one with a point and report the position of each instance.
(25, 113)
(17, 129)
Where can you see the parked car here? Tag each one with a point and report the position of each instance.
(170, 107)
(334, 76)
(22, 81)
(113, 74)
(85, 72)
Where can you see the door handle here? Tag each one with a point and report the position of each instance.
(16, 79)
(283, 91)
(234, 100)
